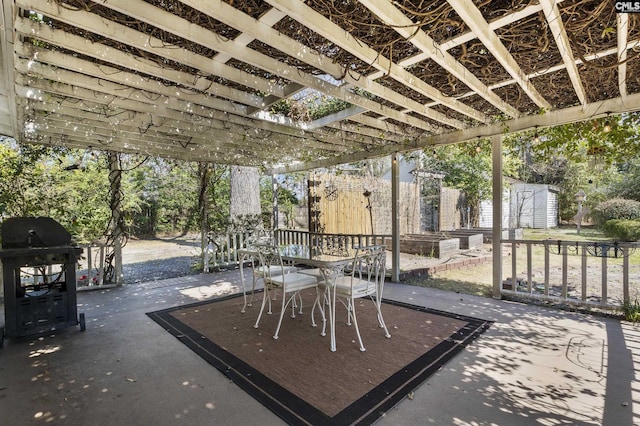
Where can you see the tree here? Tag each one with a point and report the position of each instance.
(627, 184)
(63, 184)
(467, 167)
(244, 202)
(587, 155)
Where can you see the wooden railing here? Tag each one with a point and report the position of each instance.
(222, 249)
(574, 272)
(294, 236)
(96, 266)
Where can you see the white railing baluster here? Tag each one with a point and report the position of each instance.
(565, 270)
(529, 269)
(95, 253)
(625, 276)
(584, 273)
(101, 268)
(604, 279)
(514, 267)
(89, 266)
(546, 269)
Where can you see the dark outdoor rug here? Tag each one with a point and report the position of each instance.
(299, 378)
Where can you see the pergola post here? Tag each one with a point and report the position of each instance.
(274, 202)
(395, 219)
(203, 208)
(116, 226)
(496, 155)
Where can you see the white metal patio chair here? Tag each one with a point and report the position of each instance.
(364, 279)
(275, 277)
(262, 238)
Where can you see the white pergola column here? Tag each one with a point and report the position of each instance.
(496, 155)
(395, 219)
(116, 225)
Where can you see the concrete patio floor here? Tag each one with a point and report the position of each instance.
(534, 366)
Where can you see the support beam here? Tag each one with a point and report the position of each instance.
(496, 155)
(395, 219)
(623, 29)
(552, 14)
(481, 29)
(116, 225)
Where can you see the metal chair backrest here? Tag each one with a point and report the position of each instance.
(369, 265)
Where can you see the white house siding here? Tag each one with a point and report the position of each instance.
(552, 209)
(486, 212)
(539, 207)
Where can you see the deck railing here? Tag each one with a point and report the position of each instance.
(294, 236)
(96, 266)
(574, 272)
(223, 249)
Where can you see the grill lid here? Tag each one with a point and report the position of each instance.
(24, 232)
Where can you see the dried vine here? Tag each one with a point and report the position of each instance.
(590, 24)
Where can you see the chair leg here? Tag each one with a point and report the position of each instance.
(265, 296)
(269, 298)
(320, 303)
(253, 290)
(294, 304)
(349, 310)
(299, 297)
(284, 307)
(381, 322)
(352, 311)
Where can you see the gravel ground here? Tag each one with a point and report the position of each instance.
(160, 258)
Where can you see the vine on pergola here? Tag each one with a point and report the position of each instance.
(529, 40)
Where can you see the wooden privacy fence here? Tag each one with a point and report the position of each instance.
(352, 205)
(577, 272)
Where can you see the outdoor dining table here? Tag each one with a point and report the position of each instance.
(330, 266)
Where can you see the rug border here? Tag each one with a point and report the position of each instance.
(295, 410)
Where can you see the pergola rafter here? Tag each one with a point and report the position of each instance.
(234, 81)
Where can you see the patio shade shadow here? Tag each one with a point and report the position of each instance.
(299, 378)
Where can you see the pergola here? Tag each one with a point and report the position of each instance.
(207, 80)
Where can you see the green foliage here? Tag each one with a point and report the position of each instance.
(575, 177)
(631, 310)
(622, 229)
(282, 107)
(58, 183)
(218, 194)
(467, 167)
(615, 208)
(326, 106)
(627, 182)
(72, 187)
(588, 138)
(581, 156)
(287, 199)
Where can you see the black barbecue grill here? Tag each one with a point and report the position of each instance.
(39, 277)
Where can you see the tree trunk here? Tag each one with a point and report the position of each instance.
(244, 207)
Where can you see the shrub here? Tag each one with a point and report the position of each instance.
(622, 229)
(615, 208)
